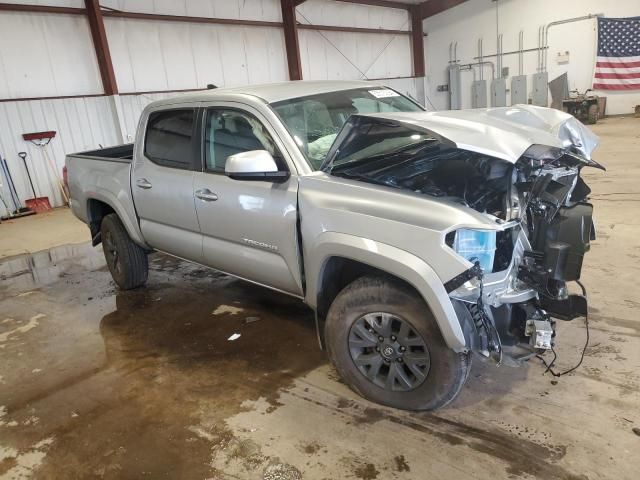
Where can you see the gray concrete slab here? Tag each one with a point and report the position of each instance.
(97, 383)
(41, 232)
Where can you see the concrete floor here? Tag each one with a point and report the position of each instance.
(97, 383)
(40, 232)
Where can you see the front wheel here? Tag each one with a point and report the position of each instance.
(385, 343)
(126, 260)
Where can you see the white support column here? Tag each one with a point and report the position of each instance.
(115, 107)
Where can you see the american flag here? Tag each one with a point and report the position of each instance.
(618, 62)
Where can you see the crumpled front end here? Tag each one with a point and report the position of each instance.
(519, 167)
(510, 303)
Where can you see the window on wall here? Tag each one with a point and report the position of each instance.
(169, 138)
(232, 131)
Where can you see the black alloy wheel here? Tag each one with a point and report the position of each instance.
(389, 351)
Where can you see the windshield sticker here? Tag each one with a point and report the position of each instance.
(384, 93)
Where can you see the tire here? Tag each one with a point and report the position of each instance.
(376, 298)
(126, 260)
(592, 114)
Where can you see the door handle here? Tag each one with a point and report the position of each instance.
(206, 195)
(143, 183)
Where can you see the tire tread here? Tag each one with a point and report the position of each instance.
(133, 257)
(380, 290)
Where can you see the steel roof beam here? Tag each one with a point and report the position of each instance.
(101, 45)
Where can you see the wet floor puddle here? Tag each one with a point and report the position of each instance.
(160, 358)
(196, 376)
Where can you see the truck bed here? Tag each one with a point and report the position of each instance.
(103, 176)
(119, 153)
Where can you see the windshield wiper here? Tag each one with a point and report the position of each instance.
(365, 178)
(390, 155)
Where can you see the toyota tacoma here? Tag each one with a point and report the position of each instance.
(418, 238)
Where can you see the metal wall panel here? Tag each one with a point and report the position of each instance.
(150, 56)
(345, 55)
(268, 10)
(52, 55)
(182, 55)
(351, 56)
(80, 123)
(46, 55)
(323, 12)
(55, 3)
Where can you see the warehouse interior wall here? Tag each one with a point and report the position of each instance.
(348, 56)
(52, 55)
(479, 17)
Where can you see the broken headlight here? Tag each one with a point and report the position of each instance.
(476, 246)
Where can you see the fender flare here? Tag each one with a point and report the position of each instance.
(132, 227)
(394, 261)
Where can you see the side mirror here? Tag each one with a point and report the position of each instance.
(256, 165)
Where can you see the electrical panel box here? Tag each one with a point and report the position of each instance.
(455, 100)
(499, 92)
(479, 94)
(518, 89)
(540, 92)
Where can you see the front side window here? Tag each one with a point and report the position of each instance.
(169, 138)
(314, 121)
(229, 132)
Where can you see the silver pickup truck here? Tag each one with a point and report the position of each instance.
(417, 237)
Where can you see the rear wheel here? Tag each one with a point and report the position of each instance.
(386, 344)
(126, 260)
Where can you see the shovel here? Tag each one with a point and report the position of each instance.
(39, 204)
(19, 210)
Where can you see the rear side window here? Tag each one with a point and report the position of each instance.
(169, 138)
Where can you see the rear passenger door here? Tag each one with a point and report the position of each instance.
(162, 182)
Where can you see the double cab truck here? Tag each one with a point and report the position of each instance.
(420, 239)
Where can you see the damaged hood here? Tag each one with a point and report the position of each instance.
(504, 132)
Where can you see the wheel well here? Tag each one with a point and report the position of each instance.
(338, 272)
(97, 211)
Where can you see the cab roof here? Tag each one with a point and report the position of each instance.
(272, 92)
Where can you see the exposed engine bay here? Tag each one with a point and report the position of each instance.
(509, 299)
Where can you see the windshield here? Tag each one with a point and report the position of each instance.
(371, 145)
(315, 120)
